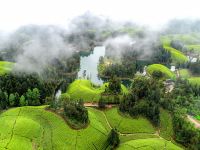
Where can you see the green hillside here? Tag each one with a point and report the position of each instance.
(158, 67)
(5, 67)
(166, 127)
(195, 48)
(194, 80)
(87, 91)
(149, 144)
(34, 128)
(184, 73)
(177, 56)
(126, 124)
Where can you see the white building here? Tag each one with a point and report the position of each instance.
(173, 68)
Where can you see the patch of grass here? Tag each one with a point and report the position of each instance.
(194, 80)
(34, 128)
(85, 90)
(88, 92)
(149, 144)
(188, 39)
(177, 56)
(5, 67)
(166, 128)
(126, 124)
(184, 73)
(125, 138)
(158, 67)
(195, 48)
(165, 40)
(197, 117)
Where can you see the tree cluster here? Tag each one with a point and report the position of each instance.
(161, 56)
(195, 67)
(113, 139)
(183, 100)
(185, 133)
(144, 99)
(75, 110)
(114, 86)
(31, 98)
(23, 89)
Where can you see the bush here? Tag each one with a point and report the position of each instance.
(76, 111)
(113, 139)
(101, 103)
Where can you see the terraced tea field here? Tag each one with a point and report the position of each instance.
(88, 92)
(149, 144)
(31, 128)
(34, 128)
(158, 67)
(126, 124)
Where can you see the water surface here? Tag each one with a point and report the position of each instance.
(88, 65)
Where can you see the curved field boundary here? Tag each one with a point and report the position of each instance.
(39, 129)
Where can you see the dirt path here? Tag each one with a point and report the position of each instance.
(107, 122)
(91, 104)
(194, 121)
(157, 133)
(94, 104)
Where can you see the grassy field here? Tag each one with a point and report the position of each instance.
(126, 124)
(194, 80)
(197, 117)
(5, 67)
(195, 48)
(177, 56)
(188, 39)
(149, 144)
(34, 128)
(184, 73)
(85, 90)
(166, 128)
(158, 67)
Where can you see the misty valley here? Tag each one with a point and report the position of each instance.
(100, 84)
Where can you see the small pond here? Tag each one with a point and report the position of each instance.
(89, 63)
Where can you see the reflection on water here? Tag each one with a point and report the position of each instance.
(88, 65)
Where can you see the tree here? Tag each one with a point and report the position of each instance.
(76, 111)
(113, 139)
(143, 99)
(22, 101)
(12, 99)
(157, 74)
(101, 103)
(16, 99)
(36, 96)
(3, 100)
(114, 85)
(33, 97)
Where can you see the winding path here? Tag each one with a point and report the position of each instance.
(129, 134)
(194, 121)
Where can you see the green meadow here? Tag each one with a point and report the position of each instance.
(149, 144)
(35, 128)
(158, 67)
(87, 91)
(126, 124)
(194, 80)
(5, 67)
(177, 56)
